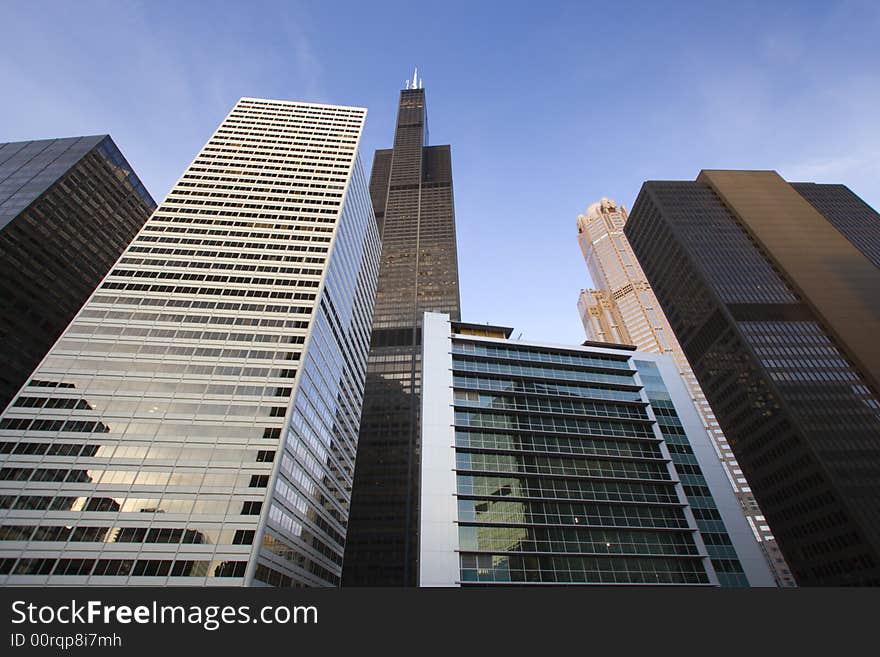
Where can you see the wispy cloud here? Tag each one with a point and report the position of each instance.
(835, 168)
(308, 66)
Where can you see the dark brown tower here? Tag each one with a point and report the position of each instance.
(411, 188)
(772, 290)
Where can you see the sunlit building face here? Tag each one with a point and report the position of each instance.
(196, 423)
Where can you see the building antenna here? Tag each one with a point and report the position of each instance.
(415, 83)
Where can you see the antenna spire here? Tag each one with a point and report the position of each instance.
(415, 83)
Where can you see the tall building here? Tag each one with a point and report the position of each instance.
(546, 464)
(624, 310)
(68, 207)
(196, 424)
(772, 291)
(411, 188)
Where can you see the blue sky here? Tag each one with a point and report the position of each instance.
(548, 105)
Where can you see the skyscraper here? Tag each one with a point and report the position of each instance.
(197, 422)
(772, 292)
(545, 464)
(68, 207)
(411, 188)
(624, 310)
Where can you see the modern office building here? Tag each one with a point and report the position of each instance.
(68, 208)
(545, 464)
(772, 291)
(624, 310)
(411, 188)
(196, 424)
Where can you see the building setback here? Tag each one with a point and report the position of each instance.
(624, 310)
(196, 424)
(68, 208)
(544, 464)
(411, 189)
(771, 289)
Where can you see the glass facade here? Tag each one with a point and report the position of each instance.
(712, 530)
(799, 414)
(196, 424)
(584, 483)
(68, 208)
(411, 190)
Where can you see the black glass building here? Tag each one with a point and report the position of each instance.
(411, 189)
(68, 208)
(772, 290)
